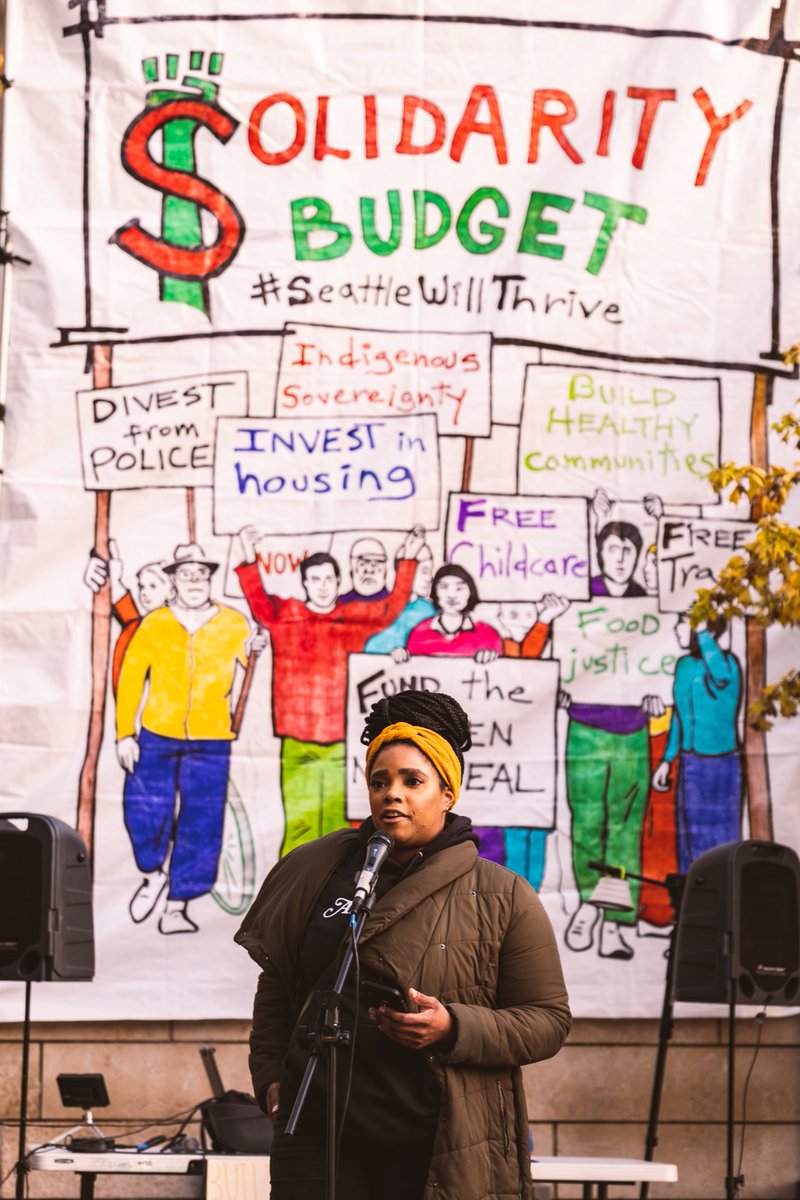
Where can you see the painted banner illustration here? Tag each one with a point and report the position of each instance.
(349, 352)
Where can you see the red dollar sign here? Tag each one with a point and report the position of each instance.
(185, 263)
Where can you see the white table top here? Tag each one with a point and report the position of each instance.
(565, 1169)
(552, 1169)
(114, 1162)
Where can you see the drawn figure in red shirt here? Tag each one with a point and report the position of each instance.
(311, 640)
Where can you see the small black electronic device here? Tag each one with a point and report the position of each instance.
(83, 1091)
(377, 994)
(90, 1145)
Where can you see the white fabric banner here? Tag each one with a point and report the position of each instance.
(286, 290)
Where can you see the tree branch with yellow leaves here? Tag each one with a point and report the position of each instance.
(763, 581)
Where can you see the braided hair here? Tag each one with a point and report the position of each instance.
(433, 710)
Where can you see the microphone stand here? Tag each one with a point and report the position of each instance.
(325, 1041)
(675, 885)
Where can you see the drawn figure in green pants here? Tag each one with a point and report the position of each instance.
(608, 776)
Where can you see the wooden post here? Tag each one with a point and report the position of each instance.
(244, 693)
(759, 806)
(466, 473)
(191, 514)
(101, 636)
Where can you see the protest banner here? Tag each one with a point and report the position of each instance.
(509, 776)
(159, 433)
(606, 200)
(302, 476)
(326, 370)
(511, 543)
(627, 432)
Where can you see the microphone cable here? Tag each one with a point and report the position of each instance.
(759, 1019)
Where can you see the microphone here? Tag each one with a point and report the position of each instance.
(379, 847)
(605, 869)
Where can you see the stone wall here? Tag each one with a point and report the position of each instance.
(592, 1099)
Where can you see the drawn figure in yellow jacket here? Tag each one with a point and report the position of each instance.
(185, 657)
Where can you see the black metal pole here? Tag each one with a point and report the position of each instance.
(664, 1036)
(331, 1131)
(732, 1182)
(326, 1040)
(674, 884)
(22, 1165)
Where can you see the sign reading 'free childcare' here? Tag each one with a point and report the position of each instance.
(507, 543)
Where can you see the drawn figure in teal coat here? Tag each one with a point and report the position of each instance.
(703, 737)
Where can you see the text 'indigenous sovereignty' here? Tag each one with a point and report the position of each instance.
(283, 475)
(363, 372)
(628, 432)
(509, 774)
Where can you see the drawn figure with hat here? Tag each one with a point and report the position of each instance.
(182, 662)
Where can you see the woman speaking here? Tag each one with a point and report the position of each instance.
(436, 1104)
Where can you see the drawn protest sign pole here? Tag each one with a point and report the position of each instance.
(755, 742)
(759, 808)
(100, 359)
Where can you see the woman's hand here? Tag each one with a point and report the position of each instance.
(273, 1100)
(430, 1025)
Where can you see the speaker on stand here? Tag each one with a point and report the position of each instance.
(738, 940)
(46, 927)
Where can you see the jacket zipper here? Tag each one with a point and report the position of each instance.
(502, 1099)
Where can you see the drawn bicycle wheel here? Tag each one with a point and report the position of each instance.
(236, 874)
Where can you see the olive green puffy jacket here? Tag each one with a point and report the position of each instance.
(462, 929)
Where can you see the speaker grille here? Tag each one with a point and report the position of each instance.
(21, 912)
(769, 924)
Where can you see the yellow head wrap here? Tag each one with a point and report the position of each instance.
(433, 746)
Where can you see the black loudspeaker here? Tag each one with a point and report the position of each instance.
(46, 929)
(739, 926)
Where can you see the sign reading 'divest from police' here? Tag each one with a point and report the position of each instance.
(159, 433)
(509, 774)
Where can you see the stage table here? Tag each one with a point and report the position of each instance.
(242, 1177)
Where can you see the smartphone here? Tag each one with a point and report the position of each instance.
(377, 994)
